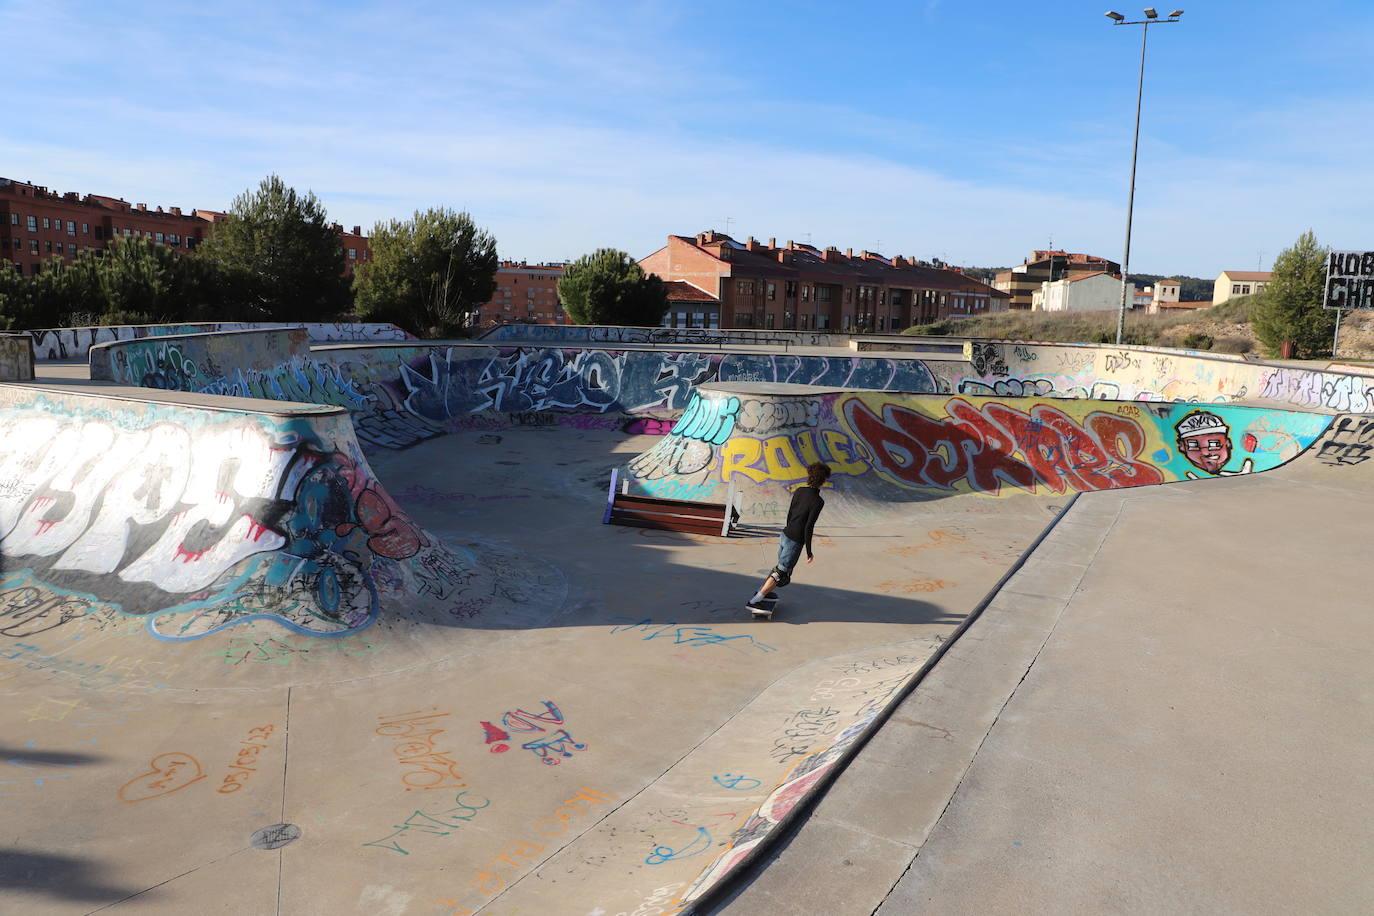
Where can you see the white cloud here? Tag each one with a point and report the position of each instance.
(565, 126)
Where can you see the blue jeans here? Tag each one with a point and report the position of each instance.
(789, 552)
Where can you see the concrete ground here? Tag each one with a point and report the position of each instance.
(1167, 710)
(679, 712)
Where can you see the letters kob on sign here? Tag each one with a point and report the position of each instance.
(1349, 280)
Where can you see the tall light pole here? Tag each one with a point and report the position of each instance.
(1151, 18)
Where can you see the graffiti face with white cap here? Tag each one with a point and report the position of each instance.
(1205, 440)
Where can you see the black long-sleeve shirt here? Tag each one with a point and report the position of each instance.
(802, 514)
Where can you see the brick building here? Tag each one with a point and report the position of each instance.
(1045, 266)
(525, 293)
(802, 287)
(690, 306)
(37, 224)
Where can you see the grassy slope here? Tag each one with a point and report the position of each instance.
(1227, 324)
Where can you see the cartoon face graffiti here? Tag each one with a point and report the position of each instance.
(1205, 440)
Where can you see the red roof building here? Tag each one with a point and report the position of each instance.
(799, 286)
(37, 224)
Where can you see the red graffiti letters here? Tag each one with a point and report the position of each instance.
(1000, 444)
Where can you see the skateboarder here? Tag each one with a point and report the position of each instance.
(801, 522)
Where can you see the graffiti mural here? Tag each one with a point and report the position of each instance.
(899, 446)
(203, 521)
(1348, 443)
(1205, 440)
(75, 343)
(403, 395)
(983, 449)
(677, 336)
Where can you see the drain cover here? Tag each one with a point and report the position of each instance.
(275, 836)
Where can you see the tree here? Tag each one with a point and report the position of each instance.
(288, 256)
(141, 283)
(1290, 307)
(609, 287)
(427, 274)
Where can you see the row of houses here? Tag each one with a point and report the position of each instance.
(716, 281)
(712, 279)
(37, 224)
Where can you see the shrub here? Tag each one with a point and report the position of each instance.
(1233, 344)
(1197, 341)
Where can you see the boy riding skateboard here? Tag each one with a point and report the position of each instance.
(805, 508)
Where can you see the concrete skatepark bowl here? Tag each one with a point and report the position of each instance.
(298, 626)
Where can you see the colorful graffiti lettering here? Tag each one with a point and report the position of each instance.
(784, 458)
(551, 750)
(216, 523)
(710, 420)
(976, 447)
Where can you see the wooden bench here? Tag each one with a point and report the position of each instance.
(717, 519)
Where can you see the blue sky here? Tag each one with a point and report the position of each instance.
(971, 131)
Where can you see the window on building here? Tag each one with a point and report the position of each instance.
(353, 254)
(33, 246)
(806, 293)
(47, 246)
(85, 228)
(71, 228)
(33, 224)
(823, 293)
(772, 291)
(789, 290)
(744, 319)
(1245, 289)
(849, 294)
(768, 321)
(158, 237)
(47, 224)
(14, 219)
(848, 322)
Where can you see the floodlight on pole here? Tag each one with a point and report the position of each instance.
(1110, 14)
(1152, 18)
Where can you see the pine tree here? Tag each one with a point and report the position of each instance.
(288, 255)
(428, 274)
(1290, 307)
(609, 287)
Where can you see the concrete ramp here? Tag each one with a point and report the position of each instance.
(194, 519)
(890, 449)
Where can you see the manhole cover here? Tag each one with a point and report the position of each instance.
(275, 836)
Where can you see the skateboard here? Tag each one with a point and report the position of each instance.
(770, 606)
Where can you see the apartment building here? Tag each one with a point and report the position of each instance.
(799, 286)
(525, 293)
(37, 224)
(1048, 266)
(1238, 283)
